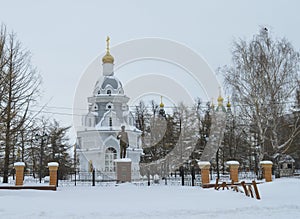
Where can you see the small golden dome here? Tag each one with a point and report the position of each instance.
(220, 98)
(228, 103)
(108, 58)
(161, 105)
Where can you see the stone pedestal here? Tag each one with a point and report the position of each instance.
(53, 167)
(134, 154)
(267, 169)
(19, 167)
(204, 166)
(123, 170)
(234, 170)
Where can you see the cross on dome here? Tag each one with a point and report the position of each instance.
(108, 58)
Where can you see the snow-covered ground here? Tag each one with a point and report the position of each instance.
(279, 199)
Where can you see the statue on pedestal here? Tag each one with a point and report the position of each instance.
(124, 142)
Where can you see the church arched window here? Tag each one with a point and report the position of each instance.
(108, 92)
(110, 156)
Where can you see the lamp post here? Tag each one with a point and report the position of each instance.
(193, 174)
(41, 138)
(76, 146)
(181, 172)
(257, 152)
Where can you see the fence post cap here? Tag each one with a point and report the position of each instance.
(53, 164)
(19, 164)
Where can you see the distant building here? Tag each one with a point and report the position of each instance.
(285, 165)
(108, 110)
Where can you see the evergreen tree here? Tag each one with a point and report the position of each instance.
(58, 149)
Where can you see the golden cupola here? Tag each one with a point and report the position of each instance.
(220, 98)
(220, 102)
(161, 105)
(228, 103)
(161, 111)
(108, 58)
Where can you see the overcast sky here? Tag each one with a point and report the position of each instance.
(66, 36)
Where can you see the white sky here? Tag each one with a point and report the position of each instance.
(65, 36)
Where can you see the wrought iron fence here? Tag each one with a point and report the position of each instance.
(85, 178)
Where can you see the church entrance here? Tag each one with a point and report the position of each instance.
(110, 156)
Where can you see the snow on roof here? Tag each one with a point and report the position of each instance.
(116, 128)
(53, 164)
(266, 162)
(19, 164)
(232, 162)
(285, 158)
(123, 160)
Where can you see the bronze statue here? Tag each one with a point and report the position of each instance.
(124, 143)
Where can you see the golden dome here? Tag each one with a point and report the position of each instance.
(228, 103)
(220, 98)
(108, 58)
(161, 105)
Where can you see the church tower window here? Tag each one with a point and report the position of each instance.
(110, 121)
(108, 92)
(95, 106)
(124, 107)
(110, 156)
(109, 106)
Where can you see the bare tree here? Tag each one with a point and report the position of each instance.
(19, 86)
(263, 78)
(3, 63)
(141, 114)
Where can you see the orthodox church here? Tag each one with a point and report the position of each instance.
(108, 110)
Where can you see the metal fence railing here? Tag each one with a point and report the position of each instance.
(98, 178)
